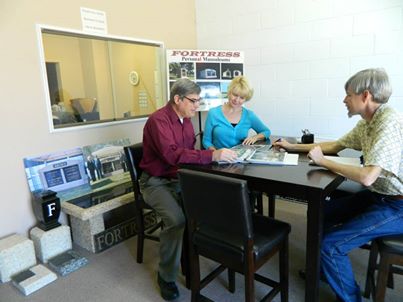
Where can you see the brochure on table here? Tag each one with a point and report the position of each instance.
(212, 70)
(264, 154)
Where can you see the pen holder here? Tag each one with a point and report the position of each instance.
(307, 138)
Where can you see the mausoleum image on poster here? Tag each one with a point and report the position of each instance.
(106, 163)
(212, 70)
(56, 171)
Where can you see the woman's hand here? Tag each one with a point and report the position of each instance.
(250, 140)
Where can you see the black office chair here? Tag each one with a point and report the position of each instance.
(390, 249)
(134, 153)
(221, 227)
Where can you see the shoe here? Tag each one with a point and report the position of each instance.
(169, 290)
(302, 275)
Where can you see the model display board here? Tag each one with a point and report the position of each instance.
(74, 171)
(95, 189)
(212, 70)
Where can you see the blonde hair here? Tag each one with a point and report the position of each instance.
(240, 86)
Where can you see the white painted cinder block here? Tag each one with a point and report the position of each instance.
(332, 28)
(300, 105)
(275, 89)
(362, 45)
(292, 71)
(348, 7)
(389, 62)
(312, 50)
(17, 254)
(277, 54)
(388, 42)
(331, 68)
(279, 16)
(381, 21)
(309, 40)
(336, 87)
(246, 23)
(252, 56)
(309, 88)
(293, 33)
(311, 10)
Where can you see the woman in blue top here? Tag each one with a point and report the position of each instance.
(228, 125)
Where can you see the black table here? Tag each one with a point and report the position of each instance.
(303, 182)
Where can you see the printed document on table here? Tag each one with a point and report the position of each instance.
(263, 154)
(268, 156)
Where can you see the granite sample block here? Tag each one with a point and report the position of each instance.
(17, 254)
(49, 244)
(33, 279)
(84, 230)
(67, 262)
(87, 222)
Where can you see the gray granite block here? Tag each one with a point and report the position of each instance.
(84, 231)
(49, 244)
(67, 262)
(33, 279)
(17, 254)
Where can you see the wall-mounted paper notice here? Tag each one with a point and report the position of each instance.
(93, 21)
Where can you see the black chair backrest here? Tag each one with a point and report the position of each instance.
(134, 154)
(217, 202)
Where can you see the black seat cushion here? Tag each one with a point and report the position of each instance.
(268, 233)
(268, 229)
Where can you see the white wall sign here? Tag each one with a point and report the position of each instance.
(93, 21)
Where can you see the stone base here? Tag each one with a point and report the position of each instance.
(33, 279)
(49, 244)
(17, 254)
(67, 262)
(84, 231)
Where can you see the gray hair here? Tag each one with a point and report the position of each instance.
(375, 80)
(183, 87)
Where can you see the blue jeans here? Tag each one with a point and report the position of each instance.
(380, 215)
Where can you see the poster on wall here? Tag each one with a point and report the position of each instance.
(80, 171)
(212, 70)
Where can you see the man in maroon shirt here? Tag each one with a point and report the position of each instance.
(169, 140)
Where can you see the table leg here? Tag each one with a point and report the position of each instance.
(272, 204)
(313, 243)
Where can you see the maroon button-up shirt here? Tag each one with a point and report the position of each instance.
(167, 142)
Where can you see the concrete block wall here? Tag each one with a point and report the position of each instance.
(299, 53)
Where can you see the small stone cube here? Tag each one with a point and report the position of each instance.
(49, 244)
(17, 254)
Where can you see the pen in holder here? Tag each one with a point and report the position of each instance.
(307, 137)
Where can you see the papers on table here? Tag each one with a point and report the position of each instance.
(263, 154)
(273, 157)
